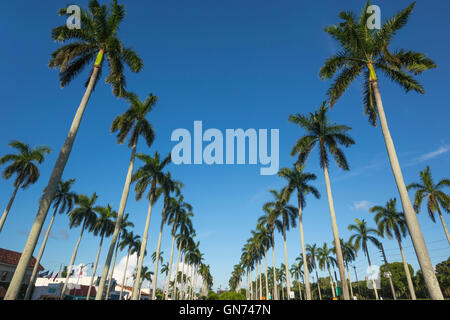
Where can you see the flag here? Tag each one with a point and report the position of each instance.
(43, 274)
(51, 275)
(56, 276)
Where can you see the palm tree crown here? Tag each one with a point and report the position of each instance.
(96, 37)
(324, 133)
(390, 221)
(365, 50)
(363, 235)
(24, 163)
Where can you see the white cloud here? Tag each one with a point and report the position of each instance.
(119, 269)
(362, 205)
(430, 155)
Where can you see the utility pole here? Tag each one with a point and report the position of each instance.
(388, 273)
(357, 282)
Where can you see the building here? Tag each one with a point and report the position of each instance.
(8, 263)
(77, 287)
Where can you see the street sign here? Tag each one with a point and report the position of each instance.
(338, 291)
(291, 295)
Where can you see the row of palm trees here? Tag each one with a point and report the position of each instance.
(97, 41)
(100, 220)
(365, 52)
(390, 223)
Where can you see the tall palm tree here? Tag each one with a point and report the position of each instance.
(298, 181)
(312, 256)
(270, 222)
(24, 166)
(297, 273)
(124, 225)
(85, 214)
(265, 237)
(436, 198)
(282, 276)
(149, 175)
(393, 224)
(131, 123)
(365, 51)
(103, 227)
(326, 260)
(167, 187)
(328, 136)
(287, 213)
(349, 255)
(146, 274)
(64, 201)
(130, 241)
(183, 238)
(360, 239)
(96, 39)
(180, 220)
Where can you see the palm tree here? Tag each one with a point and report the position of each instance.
(167, 187)
(104, 227)
(269, 221)
(265, 238)
(125, 224)
(180, 220)
(96, 38)
(436, 198)
(149, 175)
(64, 200)
(393, 224)
(328, 136)
(296, 273)
(282, 276)
(24, 166)
(288, 213)
(132, 122)
(85, 214)
(360, 239)
(349, 255)
(130, 242)
(312, 256)
(183, 237)
(365, 51)
(146, 274)
(325, 261)
(298, 181)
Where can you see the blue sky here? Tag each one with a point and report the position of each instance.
(231, 64)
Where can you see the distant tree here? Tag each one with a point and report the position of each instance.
(443, 275)
(398, 278)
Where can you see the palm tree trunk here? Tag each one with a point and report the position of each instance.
(38, 259)
(275, 289)
(318, 284)
(158, 248)
(108, 289)
(350, 283)
(123, 204)
(288, 280)
(8, 207)
(124, 274)
(170, 267)
(305, 261)
(371, 276)
(182, 280)
(337, 242)
(72, 260)
(408, 274)
(411, 219)
(135, 293)
(175, 280)
(260, 281)
(50, 190)
(299, 290)
(331, 283)
(267, 280)
(95, 268)
(442, 220)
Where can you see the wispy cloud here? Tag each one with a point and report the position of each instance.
(430, 155)
(362, 205)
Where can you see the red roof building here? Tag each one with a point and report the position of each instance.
(12, 258)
